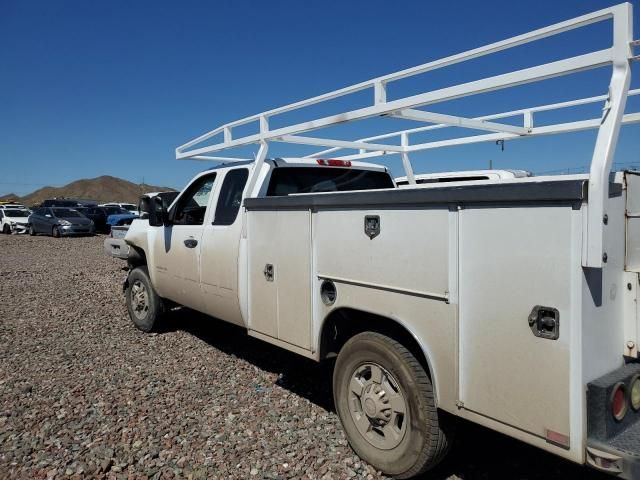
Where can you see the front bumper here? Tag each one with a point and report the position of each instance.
(116, 247)
(19, 228)
(77, 229)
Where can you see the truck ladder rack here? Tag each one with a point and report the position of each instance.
(619, 56)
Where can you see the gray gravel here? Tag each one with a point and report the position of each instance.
(85, 395)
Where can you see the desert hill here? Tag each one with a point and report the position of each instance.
(102, 189)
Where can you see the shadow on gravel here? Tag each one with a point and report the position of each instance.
(480, 453)
(477, 453)
(297, 374)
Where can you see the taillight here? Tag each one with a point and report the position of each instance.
(634, 393)
(333, 162)
(619, 402)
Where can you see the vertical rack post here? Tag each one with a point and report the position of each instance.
(605, 147)
(406, 162)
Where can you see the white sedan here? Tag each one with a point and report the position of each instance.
(14, 220)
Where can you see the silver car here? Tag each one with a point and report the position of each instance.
(60, 221)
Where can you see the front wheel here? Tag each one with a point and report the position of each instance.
(145, 306)
(32, 230)
(385, 401)
(6, 229)
(55, 231)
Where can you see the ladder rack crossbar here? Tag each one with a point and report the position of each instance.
(618, 56)
(494, 116)
(380, 83)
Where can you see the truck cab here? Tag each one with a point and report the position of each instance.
(205, 226)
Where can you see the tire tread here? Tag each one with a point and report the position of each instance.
(440, 436)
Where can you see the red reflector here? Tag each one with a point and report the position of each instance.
(558, 439)
(619, 402)
(334, 163)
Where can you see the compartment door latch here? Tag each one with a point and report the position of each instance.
(372, 226)
(545, 322)
(268, 272)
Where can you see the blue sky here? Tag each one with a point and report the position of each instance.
(111, 88)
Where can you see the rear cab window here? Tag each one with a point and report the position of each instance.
(291, 180)
(230, 197)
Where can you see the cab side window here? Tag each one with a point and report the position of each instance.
(230, 197)
(191, 208)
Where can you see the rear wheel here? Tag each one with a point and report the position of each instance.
(55, 231)
(145, 306)
(385, 401)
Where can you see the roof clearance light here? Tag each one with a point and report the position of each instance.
(619, 402)
(634, 394)
(333, 163)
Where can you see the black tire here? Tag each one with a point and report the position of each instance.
(150, 317)
(32, 230)
(6, 229)
(55, 232)
(427, 435)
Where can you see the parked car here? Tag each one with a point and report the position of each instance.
(121, 218)
(124, 205)
(14, 220)
(60, 221)
(19, 206)
(68, 202)
(100, 216)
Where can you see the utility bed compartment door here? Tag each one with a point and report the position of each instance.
(512, 260)
(280, 275)
(632, 214)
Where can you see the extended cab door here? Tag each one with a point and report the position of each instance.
(220, 249)
(177, 246)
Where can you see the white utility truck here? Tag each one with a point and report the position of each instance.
(511, 303)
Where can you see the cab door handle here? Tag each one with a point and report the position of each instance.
(190, 243)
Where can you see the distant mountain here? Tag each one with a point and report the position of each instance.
(8, 197)
(101, 189)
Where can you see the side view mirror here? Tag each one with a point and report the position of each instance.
(157, 213)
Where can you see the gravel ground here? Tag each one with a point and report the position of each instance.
(85, 395)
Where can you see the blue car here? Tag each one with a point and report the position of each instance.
(121, 219)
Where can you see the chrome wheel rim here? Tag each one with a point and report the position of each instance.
(139, 300)
(377, 406)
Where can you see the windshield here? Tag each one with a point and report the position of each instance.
(128, 206)
(66, 213)
(289, 180)
(16, 213)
